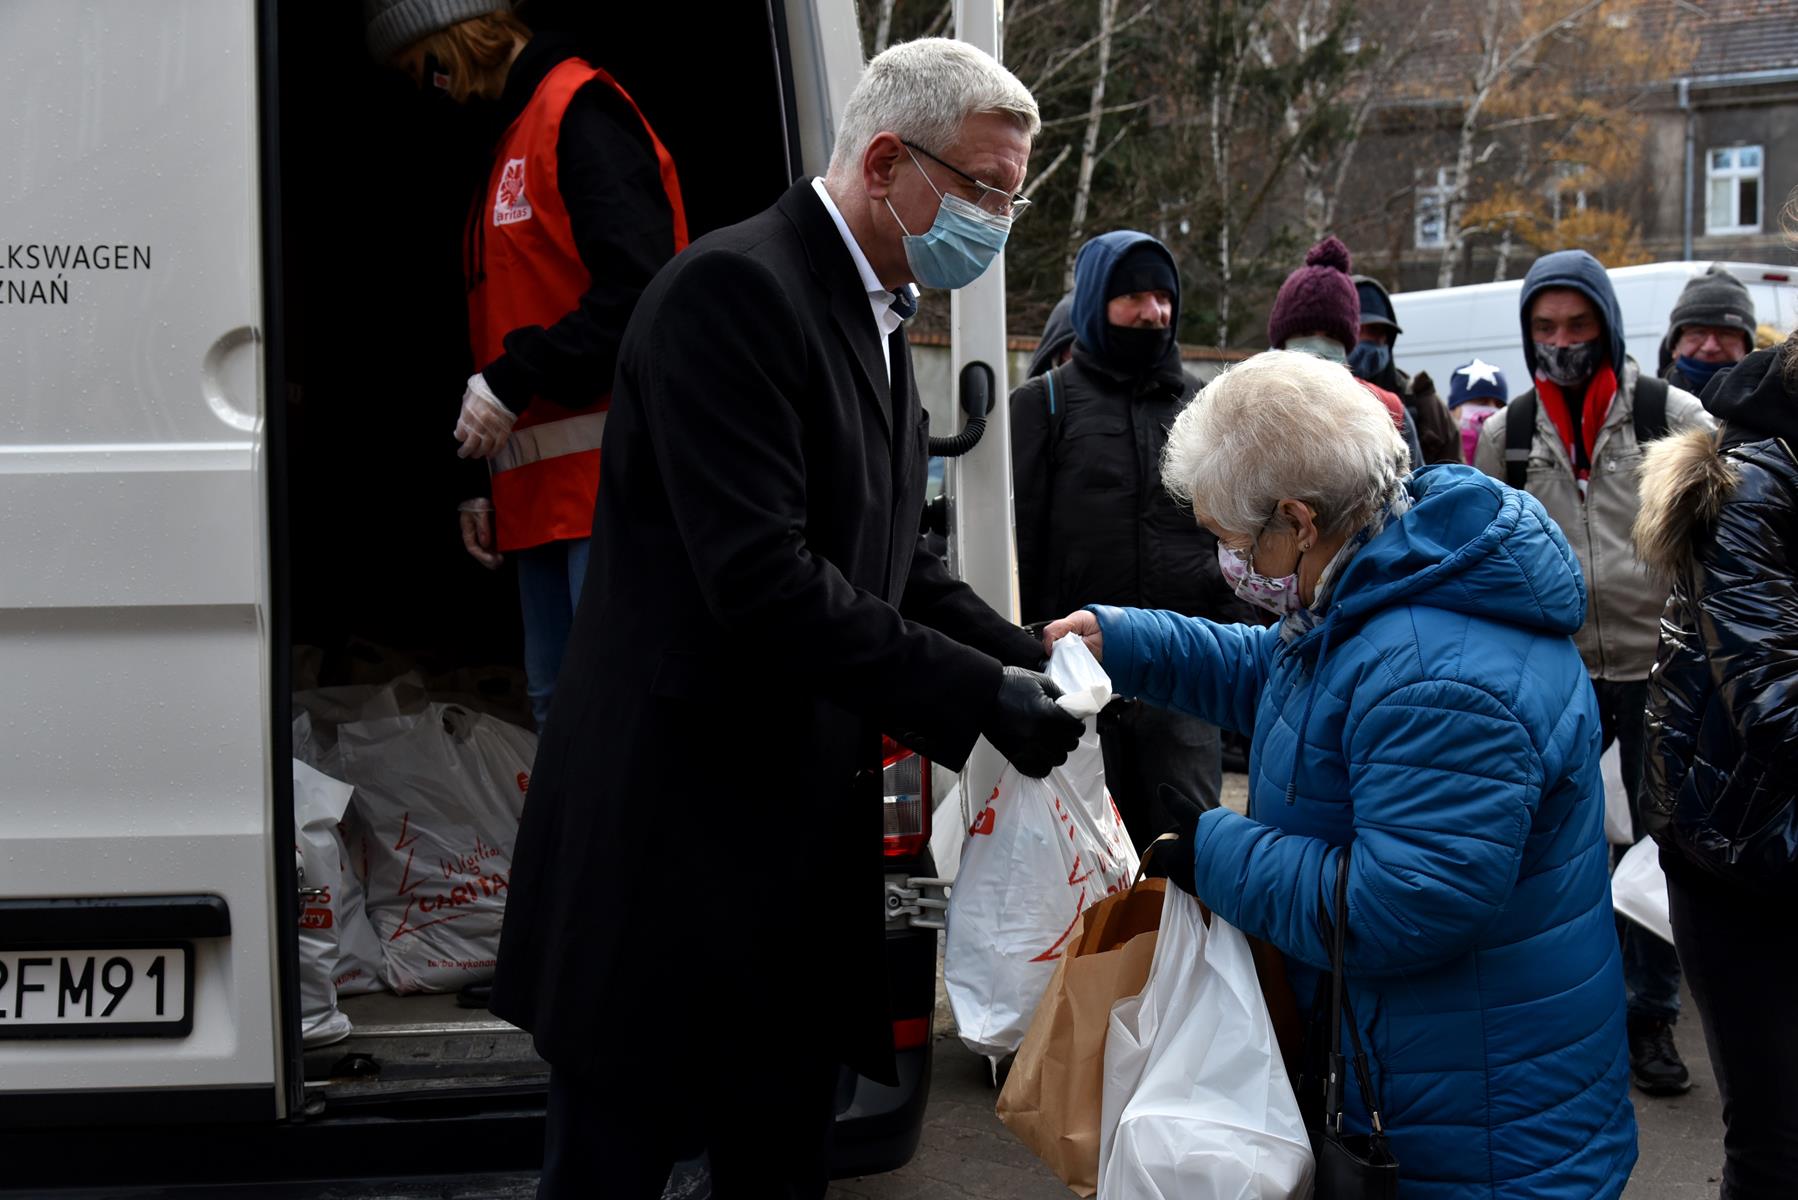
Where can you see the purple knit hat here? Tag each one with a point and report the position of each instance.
(1319, 297)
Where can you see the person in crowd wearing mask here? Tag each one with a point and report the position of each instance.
(1712, 328)
(1720, 520)
(757, 556)
(580, 209)
(1443, 746)
(1371, 359)
(1575, 442)
(1475, 392)
(1317, 312)
(1056, 345)
(1093, 521)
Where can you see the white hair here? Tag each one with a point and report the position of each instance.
(924, 91)
(1284, 426)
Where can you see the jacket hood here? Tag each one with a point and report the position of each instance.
(1092, 275)
(1376, 305)
(1058, 335)
(1468, 544)
(1754, 400)
(1685, 480)
(1584, 274)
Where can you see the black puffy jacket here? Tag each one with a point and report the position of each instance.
(1095, 525)
(1720, 518)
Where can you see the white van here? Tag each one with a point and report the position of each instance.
(232, 338)
(1445, 328)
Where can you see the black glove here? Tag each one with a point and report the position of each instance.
(1172, 856)
(1027, 727)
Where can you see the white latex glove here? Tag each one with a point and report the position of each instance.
(485, 423)
(477, 532)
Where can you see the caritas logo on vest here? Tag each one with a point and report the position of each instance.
(510, 204)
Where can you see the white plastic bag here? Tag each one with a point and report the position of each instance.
(1197, 1105)
(358, 949)
(1639, 889)
(1036, 856)
(318, 804)
(1619, 825)
(439, 794)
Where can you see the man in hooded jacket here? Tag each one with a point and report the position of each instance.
(1583, 460)
(1094, 523)
(1371, 360)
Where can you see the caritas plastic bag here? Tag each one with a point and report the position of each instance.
(1639, 889)
(439, 795)
(1038, 854)
(318, 804)
(1197, 1105)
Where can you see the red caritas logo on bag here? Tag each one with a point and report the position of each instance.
(510, 204)
(983, 821)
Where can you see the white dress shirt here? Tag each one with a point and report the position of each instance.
(880, 298)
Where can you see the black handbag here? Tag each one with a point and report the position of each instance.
(1350, 1166)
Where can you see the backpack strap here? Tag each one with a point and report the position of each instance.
(1057, 406)
(1520, 434)
(1650, 411)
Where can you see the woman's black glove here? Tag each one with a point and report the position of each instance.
(1026, 725)
(1172, 856)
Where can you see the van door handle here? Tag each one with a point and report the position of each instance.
(223, 376)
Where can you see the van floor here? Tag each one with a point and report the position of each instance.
(417, 1047)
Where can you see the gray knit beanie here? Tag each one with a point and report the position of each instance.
(1713, 298)
(395, 24)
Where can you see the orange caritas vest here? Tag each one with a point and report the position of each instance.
(527, 271)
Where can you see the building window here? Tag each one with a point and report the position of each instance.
(1432, 212)
(1734, 174)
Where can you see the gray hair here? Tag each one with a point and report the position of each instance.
(1284, 426)
(924, 91)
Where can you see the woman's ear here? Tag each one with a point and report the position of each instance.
(1304, 522)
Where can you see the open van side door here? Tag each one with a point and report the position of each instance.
(136, 829)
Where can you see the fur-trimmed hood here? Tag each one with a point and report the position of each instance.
(1685, 480)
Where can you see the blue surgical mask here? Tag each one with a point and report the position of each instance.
(960, 244)
(1326, 348)
(1369, 360)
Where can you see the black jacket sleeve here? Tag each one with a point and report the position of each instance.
(611, 183)
(936, 598)
(1031, 482)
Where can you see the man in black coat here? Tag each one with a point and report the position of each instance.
(694, 932)
(1095, 524)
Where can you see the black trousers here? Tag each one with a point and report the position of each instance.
(764, 1113)
(1145, 747)
(1740, 956)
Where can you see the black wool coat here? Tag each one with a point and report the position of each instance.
(704, 815)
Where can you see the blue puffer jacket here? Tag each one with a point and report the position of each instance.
(1440, 723)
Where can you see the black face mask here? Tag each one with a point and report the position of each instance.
(1135, 350)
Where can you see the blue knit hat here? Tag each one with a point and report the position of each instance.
(1478, 380)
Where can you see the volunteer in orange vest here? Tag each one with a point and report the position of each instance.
(580, 209)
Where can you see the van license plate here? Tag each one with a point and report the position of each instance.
(100, 992)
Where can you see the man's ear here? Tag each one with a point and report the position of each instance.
(880, 162)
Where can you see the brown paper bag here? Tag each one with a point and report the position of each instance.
(1052, 1097)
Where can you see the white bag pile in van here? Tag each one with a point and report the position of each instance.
(1037, 856)
(358, 969)
(438, 794)
(318, 804)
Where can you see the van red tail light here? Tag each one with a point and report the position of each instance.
(905, 788)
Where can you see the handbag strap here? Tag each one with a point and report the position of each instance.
(1340, 1005)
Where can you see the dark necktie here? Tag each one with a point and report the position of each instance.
(905, 304)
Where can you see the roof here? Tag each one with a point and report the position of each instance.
(1747, 35)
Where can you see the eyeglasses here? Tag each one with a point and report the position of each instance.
(994, 200)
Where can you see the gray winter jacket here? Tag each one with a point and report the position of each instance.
(1623, 603)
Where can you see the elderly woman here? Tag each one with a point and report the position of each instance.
(1419, 707)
